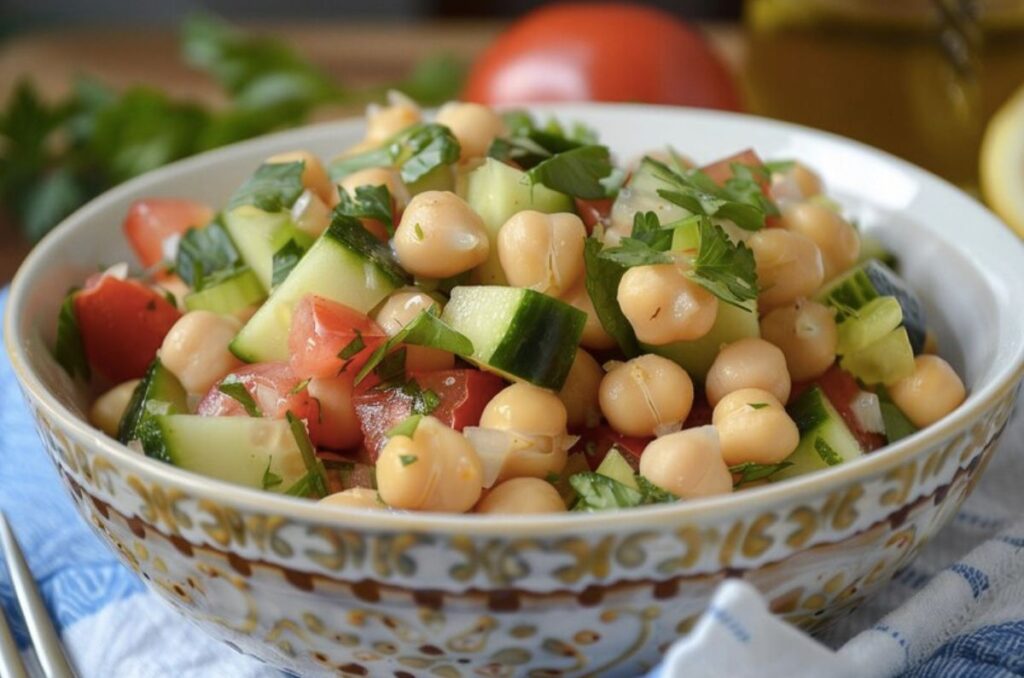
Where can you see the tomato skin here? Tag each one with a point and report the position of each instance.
(463, 392)
(593, 212)
(271, 386)
(122, 323)
(841, 388)
(321, 329)
(601, 52)
(720, 171)
(596, 442)
(151, 221)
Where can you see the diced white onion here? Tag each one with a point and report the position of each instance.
(119, 271)
(169, 247)
(868, 412)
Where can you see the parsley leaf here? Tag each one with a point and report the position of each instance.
(739, 200)
(272, 188)
(757, 406)
(370, 202)
(597, 492)
(408, 459)
(69, 350)
(237, 391)
(270, 479)
(426, 329)
(353, 347)
(202, 252)
(827, 452)
(314, 467)
(407, 427)
(424, 401)
(632, 252)
(577, 172)
(750, 471)
(351, 233)
(285, 259)
(602, 283)
(415, 151)
(391, 367)
(648, 230)
(726, 270)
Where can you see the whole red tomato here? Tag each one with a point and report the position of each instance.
(601, 52)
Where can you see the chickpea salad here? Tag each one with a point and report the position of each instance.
(485, 313)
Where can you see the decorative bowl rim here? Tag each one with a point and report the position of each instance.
(979, 401)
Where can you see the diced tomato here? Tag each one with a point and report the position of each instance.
(337, 426)
(152, 221)
(721, 171)
(272, 387)
(326, 336)
(592, 212)
(122, 323)
(463, 395)
(842, 389)
(595, 443)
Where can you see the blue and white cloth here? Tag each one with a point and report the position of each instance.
(958, 610)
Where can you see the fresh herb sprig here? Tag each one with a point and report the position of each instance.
(54, 156)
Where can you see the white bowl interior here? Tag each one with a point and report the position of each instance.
(964, 263)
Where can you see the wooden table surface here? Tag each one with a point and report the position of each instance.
(355, 54)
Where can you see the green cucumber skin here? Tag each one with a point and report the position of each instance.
(816, 419)
(325, 270)
(870, 280)
(159, 385)
(540, 343)
(229, 296)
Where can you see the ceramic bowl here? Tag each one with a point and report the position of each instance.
(315, 590)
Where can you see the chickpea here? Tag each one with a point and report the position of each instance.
(384, 122)
(753, 426)
(645, 395)
(355, 497)
(789, 266)
(800, 177)
(579, 392)
(930, 393)
(748, 363)
(378, 176)
(196, 349)
(806, 333)
(434, 470)
(440, 236)
(314, 176)
(687, 463)
(310, 214)
(594, 335)
(339, 425)
(108, 410)
(522, 496)
(835, 237)
(539, 417)
(542, 251)
(474, 125)
(665, 306)
(397, 311)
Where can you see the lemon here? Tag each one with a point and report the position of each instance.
(1002, 162)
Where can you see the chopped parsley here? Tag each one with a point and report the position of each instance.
(369, 202)
(426, 329)
(285, 259)
(270, 479)
(272, 188)
(757, 406)
(69, 350)
(408, 459)
(352, 348)
(725, 269)
(237, 391)
(597, 492)
(827, 452)
(407, 427)
(578, 172)
(750, 471)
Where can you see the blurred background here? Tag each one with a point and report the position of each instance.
(93, 93)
